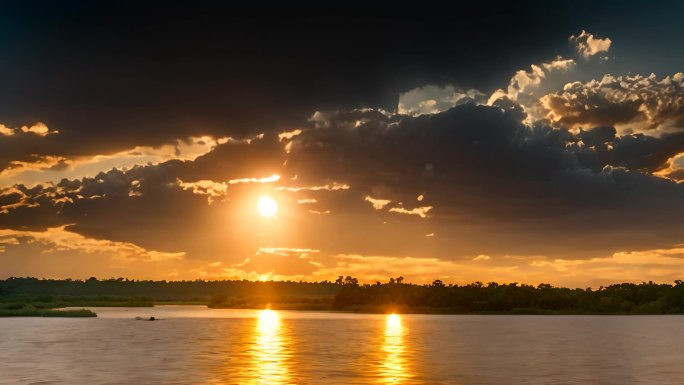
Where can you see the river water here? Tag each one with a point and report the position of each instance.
(196, 345)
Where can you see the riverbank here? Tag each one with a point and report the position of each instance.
(32, 311)
(49, 306)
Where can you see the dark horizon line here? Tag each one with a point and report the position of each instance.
(341, 280)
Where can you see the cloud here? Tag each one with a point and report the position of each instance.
(659, 265)
(215, 190)
(210, 188)
(589, 45)
(630, 103)
(378, 204)
(319, 212)
(370, 268)
(523, 82)
(419, 211)
(674, 168)
(559, 64)
(37, 163)
(12, 198)
(326, 187)
(432, 99)
(285, 135)
(525, 86)
(288, 251)
(460, 160)
(38, 129)
(34, 169)
(59, 239)
(4, 130)
(561, 184)
(268, 263)
(546, 169)
(268, 179)
(306, 201)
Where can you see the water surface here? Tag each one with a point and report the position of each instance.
(196, 345)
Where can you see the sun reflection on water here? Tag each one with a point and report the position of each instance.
(394, 365)
(270, 350)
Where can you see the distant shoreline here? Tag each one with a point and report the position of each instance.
(54, 313)
(90, 311)
(40, 297)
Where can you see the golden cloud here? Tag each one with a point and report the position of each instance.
(58, 239)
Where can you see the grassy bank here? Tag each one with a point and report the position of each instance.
(24, 305)
(29, 310)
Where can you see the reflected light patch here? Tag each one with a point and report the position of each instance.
(267, 207)
(269, 321)
(270, 352)
(394, 366)
(393, 322)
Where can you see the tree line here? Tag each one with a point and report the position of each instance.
(346, 293)
(191, 291)
(623, 298)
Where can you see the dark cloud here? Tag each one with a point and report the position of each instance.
(481, 164)
(469, 174)
(115, 74)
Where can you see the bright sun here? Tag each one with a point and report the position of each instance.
(267, 207)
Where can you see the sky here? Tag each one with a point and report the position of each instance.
(531, 142)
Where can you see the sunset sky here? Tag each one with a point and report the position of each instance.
(512, 143)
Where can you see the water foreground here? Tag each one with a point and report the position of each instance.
(196, 345)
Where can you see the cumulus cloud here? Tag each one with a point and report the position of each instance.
(461, 160)
(525, 87)
(14, 197)
(674, 168)
(38, 129)
(630, 103)
(589, 45)
(559, 64)
(4, 130)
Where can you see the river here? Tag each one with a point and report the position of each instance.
(196, 345)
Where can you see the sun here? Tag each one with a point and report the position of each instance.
(267, 207)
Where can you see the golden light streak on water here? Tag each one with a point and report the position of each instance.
(270, 350)
(394, 367)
